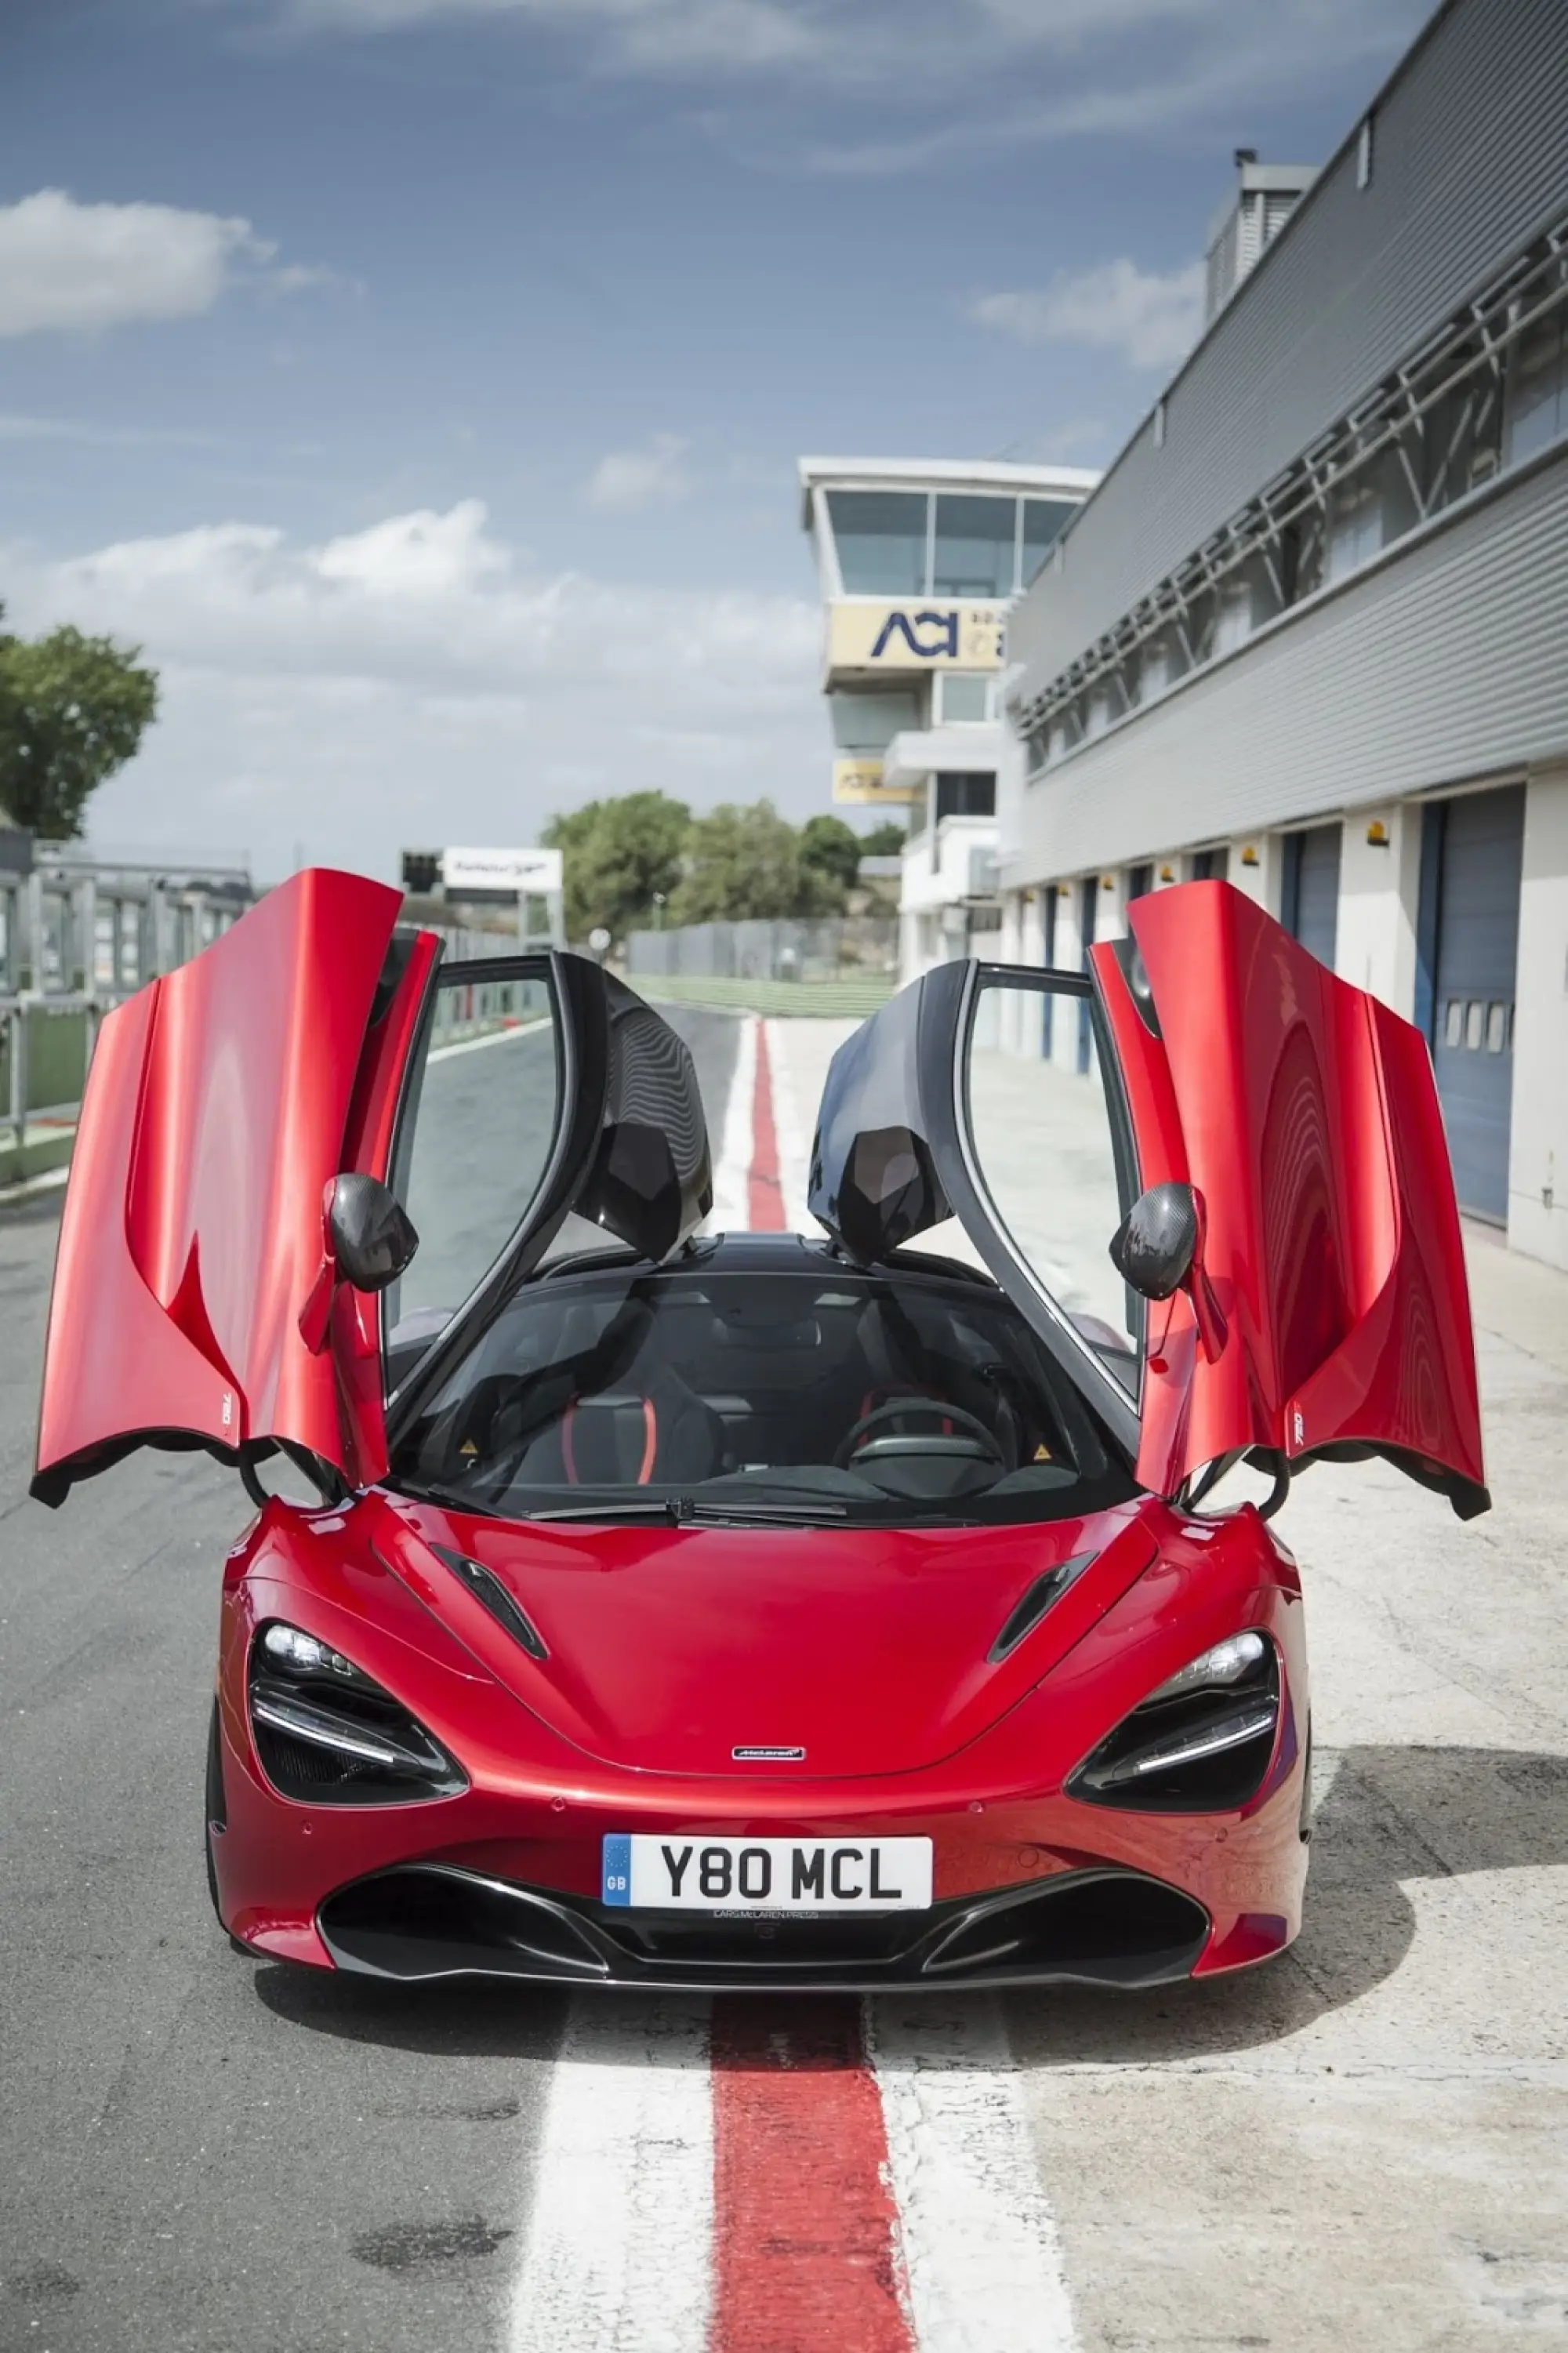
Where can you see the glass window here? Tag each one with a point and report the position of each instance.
(1043, 522)
(1497, 1029)
(880, 536)
(722, 1390)
(965, 792)
(868, 722)
(1355, 533)
(1045, 1150)
(1454, 1022)
(965, 697)
(973, 546)
(1537, 391)
(1475, 1023)
(474, 1136)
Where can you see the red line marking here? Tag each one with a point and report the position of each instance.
(764, 1193)
(805, 2232)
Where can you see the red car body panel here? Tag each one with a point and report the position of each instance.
(1330, 1312)
(214, 1114)
(1306, 1114)
(995, 1808)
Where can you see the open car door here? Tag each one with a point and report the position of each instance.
(318, 1094)
(1210, 1102)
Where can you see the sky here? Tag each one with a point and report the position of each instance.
(420, 382)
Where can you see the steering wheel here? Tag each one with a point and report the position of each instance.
(897, 1408)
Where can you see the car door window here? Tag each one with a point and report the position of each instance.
(1052, 1154)
(476, 1130)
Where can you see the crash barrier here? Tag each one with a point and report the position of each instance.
(771, 967)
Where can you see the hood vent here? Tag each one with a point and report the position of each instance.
(492, 1594)
(1033, 1603)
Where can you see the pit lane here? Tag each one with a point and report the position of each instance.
(1360, 2145)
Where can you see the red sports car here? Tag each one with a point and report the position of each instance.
(746, 1609)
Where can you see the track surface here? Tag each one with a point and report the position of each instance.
(1361, 2146)
(200, 2151)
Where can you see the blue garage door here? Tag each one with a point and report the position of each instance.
(1310, 908)
(1471, 853)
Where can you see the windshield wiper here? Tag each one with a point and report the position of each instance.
(691, 1508)
(648, 1509)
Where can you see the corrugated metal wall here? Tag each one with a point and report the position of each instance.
(1471, 158)
(1442, 662)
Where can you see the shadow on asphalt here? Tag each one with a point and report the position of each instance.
(1389, 1815)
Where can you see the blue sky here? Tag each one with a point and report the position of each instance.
(420, 380)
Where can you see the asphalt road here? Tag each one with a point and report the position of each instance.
(202, 2152)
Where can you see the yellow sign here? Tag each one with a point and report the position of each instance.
(860, 782)
(915, 637)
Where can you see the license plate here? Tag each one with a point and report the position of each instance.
(732, 1874)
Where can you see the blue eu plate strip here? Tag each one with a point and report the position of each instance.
(617, 1867)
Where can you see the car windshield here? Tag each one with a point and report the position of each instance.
(899, 1395)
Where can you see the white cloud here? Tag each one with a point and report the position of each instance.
(941, 72)
(67, 266)
(639, 478)
(1149, 319)
(415, 682)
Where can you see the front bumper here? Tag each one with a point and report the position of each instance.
(433, 1920)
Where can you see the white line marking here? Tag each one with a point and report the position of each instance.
(984, 2259)
(617, 2258)
(732, 1211)
(795, 1144)
(490, 1038)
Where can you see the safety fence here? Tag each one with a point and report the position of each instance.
(830, 965)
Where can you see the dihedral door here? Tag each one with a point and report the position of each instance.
(1335, 1315)
(496, 1099)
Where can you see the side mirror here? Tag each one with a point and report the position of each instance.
(1158, 1249)
(1155, 1245)
(370, 1235)
(367, 1240)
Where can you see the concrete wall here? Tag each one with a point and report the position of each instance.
(1538, 1141)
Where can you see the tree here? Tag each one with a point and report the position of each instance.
(744, 862)
(884, 840)
(616, 855)
(829, 846)
(72, 711)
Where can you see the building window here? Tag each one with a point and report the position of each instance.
(1356, 529)
(964, 698)
(1538, 390)
(1044, 520)
(1140, 881)
(961, 792)
(1233, 621)
(881, 538)
(1159, 424)
(868, 722)
(1366, 150)
(974, 546)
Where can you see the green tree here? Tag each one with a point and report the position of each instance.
(830, 847)
(72, 710)
(884, 840)
(617, 854)
(745, 862)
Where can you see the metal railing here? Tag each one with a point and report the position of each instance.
(77, 938)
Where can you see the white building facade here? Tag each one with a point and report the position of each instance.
(1311, 631)
(918, 564)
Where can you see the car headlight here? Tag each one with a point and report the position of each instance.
(1201, 1741)
(327, 1734)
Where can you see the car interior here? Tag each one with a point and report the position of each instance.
(917, 1386)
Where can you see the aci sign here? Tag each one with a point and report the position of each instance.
(863, 636)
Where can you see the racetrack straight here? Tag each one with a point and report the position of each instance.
(786, 2173)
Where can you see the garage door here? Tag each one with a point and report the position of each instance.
(1312, 893)
(1471, 853)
